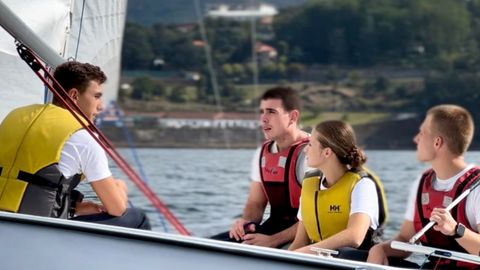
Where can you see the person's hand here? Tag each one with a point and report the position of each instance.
(258, 239)
(445, 222)
(237, 231)
(88, 208)
(377, 255)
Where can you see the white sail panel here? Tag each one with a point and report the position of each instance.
(18, 84)
(96, 37)
(87, 30)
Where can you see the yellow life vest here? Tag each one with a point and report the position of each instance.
(326, 212)
(32, 139)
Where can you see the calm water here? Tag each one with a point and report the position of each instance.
(206, 189)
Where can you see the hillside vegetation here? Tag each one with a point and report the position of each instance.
(149, 12)
(368, 57)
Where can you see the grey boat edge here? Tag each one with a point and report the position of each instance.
(33, 242)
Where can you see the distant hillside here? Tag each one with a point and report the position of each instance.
(148, 12)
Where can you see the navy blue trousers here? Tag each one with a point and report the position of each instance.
(132, 218)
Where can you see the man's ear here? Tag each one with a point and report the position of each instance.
(73, 93)
(294, 115)
(439, 141)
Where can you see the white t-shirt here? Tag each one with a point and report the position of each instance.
(301, 167)
(82, 154)
(472, 204)
(364, 200)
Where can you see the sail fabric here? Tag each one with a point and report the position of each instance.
(94, 36)
(18, 84)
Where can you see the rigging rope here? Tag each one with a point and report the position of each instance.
(211, 70)
(131, 145)
(125, 131)
(255, 75)
(37, 66)
(80, 29)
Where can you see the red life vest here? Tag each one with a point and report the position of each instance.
(279, 178)
(428, 199)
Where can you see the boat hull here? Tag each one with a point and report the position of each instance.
(31, 242)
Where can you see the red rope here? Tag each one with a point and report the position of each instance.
(36, 65)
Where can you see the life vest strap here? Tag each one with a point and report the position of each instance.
(37, 180)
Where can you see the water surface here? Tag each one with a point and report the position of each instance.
(207, 188)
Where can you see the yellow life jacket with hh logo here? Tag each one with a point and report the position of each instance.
(31, 140)
(326, 212)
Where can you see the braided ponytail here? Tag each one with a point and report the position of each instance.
(340, 137)
(355, 158)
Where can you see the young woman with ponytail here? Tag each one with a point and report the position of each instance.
(342, 204)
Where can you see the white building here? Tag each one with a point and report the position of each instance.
(200, 119)
(260, 11)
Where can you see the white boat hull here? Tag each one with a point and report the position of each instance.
(31, 242)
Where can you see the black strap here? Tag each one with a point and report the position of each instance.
(36, 180)
(382, 215)
(1, 170)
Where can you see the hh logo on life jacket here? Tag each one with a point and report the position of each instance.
(334, 208)
(272, 170)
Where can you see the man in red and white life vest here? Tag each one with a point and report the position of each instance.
(442, 141)
(277, 171)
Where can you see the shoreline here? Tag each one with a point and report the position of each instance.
(387, 135)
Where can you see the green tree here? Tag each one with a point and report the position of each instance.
(144, 88)
(162, 37)
(295, 70)
(185, 55)
(230, 40)
(381, 83)
(179, 94)
(452, 88)
(137, 51)
(365, 33)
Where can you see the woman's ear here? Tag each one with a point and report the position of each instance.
(328, 151)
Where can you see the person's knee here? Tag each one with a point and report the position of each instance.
(352, 254)
(137, 218)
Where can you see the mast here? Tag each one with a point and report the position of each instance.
(21, 32)
(43, 52)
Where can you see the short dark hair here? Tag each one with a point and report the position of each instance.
(78, 75)
(289, 96)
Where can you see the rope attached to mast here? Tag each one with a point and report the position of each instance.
(36, 65)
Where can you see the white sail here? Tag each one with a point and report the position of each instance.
(18, 84)
(98, 35)
(93, 36)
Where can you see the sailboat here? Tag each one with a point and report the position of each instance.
(73, 29)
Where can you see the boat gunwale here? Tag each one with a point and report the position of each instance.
(189, 242)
